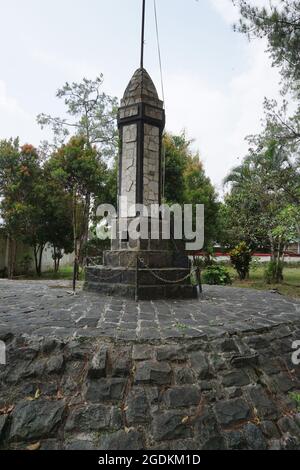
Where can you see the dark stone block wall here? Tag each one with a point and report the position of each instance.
(217, 392)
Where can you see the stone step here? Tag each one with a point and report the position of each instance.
(149, 292)
(153, 259)
(155, 277)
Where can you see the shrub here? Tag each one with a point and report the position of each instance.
(241, 257)
(274, 272)
(216, 275)
(25, 264)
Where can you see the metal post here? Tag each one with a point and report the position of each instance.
(199, 282)
(143, 34)
(137, 280)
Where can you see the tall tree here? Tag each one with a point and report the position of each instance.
(76, 168)
(33, 206)
(258, 207)
(176, 150)
(22, 206)
(57, 218)
(186, 182)
(91, 114)
(9, 175)
(280, 26)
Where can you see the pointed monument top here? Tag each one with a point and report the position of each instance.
(141, 89)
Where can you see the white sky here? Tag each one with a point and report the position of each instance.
(215, 80)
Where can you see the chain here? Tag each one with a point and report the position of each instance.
(114, 276)
(167, 281)
(159, 278)
(92, 262)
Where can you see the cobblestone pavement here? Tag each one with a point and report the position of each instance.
(47, 308)
(92, 372)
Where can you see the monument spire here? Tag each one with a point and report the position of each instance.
(143, 34)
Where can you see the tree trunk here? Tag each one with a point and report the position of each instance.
(12, 248)
(55, 259)
(57, 265)
(277, 257)
(35, 254)
(38, 258)
(74, 217)
(85, 236)
(41, 249)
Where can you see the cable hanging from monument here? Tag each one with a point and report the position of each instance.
(163, 94)
(161, 71)
(159, 51)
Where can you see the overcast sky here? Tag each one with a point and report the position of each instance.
(215, 80)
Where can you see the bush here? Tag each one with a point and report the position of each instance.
(25, 264)
(216, 275)
(241, 257)
(274, 272)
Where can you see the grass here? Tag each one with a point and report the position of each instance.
(289, 287)
(296, 398)
(65, 273)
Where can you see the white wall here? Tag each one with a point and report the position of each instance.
(22, 250)
(47, 262)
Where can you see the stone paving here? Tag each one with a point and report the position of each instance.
(88, 372)
(47, 308)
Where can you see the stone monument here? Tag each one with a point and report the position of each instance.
(150, 266)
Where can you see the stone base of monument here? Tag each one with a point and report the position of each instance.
(143, 275)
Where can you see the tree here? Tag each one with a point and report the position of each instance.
(199, 190)
(240, 257)
(280, 25)
(76, 168)
(176, 149)
(34, 208)
(58, 219)
(9, 166)
(22, 190)
(258, 200)
(91, 114)
(186, 182)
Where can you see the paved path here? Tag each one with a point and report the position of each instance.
(93, 372)
(47, 308)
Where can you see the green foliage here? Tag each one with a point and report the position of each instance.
(274, 272)
(186, 182)
(35, 209)
(255, 264)
(176, 154)
(76, 169)
(23, 198)
(259, 208)
(241, 257)
(91, 114)
(280, 26)
(296, 398)
(95, 247)
(199, 190)
(216, 275)
(25, 264)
